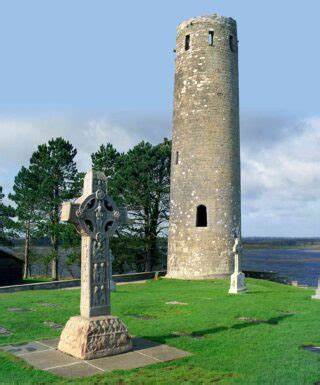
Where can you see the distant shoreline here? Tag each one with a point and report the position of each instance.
(263, 246)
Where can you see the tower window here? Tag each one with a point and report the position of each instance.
(201, 216)
(177, 157)
(231, 43)
(187, 42)
(210, 37)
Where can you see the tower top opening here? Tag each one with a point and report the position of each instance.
(210, 19)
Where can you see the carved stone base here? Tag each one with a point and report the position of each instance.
(317, 295)
(94, 337)
(237, 283)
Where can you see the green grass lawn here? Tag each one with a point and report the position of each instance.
(253, 338)
(37, 280)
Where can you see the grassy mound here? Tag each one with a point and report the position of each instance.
(254, 338)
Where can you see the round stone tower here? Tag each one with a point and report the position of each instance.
(205, 213)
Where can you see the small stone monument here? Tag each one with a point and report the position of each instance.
(317, 295)
(237, 279)
(95, 333)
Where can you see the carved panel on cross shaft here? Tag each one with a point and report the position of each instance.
(99, 247)
(99, 295)
(85, 259)
(99, 273)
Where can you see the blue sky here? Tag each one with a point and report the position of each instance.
(97, 71)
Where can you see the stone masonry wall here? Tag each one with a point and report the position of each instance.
(206, 150)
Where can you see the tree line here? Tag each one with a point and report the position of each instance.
(138, 179)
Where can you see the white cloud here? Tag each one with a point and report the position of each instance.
(19, 137)
(280, 161)
(280, 183)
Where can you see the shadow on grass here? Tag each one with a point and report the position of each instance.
(205, 332)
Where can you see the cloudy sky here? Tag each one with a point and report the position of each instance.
(102, 71)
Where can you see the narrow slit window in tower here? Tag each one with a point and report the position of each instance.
(187, 43)
(231, 43)
(177, 157)
(201, 216)
(210, 37)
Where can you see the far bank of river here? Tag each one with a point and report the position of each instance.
(295, 264)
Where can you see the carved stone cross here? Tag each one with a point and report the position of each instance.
(95, 333)
(237, 279)
(96, 217)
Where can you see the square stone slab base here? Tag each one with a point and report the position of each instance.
(95, 337)
(44, 355)
(237, 283)
(317, 295)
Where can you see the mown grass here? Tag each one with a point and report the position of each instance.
(254, 338)
(36, 280)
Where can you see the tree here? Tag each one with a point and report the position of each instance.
(7, 224)
(26, 196)
(55, 168)
(70, 241)
(105, 159)
(140, 180)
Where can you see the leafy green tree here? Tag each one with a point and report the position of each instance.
(26, 196)
(7, 224)
(70, 241)
(53, 164)
(106, 159)
(140, 180)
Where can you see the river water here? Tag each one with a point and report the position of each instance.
(296, 265)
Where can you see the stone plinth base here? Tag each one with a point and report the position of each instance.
(317, 295)
(237, 283)
(94, 337)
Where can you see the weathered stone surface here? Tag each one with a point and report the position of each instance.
(113, 285)
(48, 304)
(95, 333)
(18, 309)
(96, 217)
(251, 320)
(22, 349)
(95, 337)
(317, 295)
(311, 348)
(47, 359)
(43, 355)
(237, 283)
(145, 317)
(4, 332)
(205, 150)
(76, 370)
(237, 279)
(53, 325)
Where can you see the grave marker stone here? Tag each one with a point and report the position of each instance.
(95, 333)
(4, 332)
(317, 295)
(237, 279)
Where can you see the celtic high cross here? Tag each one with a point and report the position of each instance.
(96, 217)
